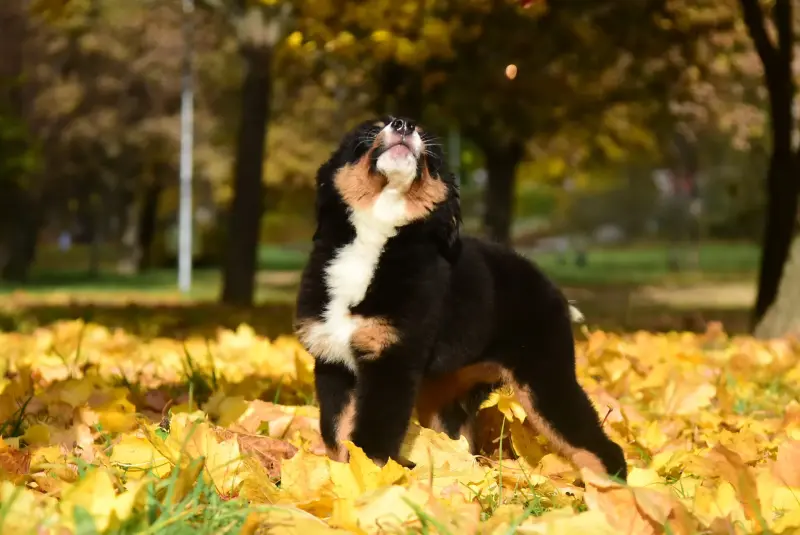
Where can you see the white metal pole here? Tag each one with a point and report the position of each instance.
(187, 145)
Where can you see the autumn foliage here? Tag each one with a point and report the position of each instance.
(106, 432)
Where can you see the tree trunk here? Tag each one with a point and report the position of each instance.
(782, 192)
(783, 317)
(781, 215)
(400, 91)
(148, 224)
(98, 237)
(239, 268)
(22, 241)
(131, 257)
(501, 166)
(19, 215)
(782, 184)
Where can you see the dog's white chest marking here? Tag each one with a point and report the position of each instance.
(349, 273)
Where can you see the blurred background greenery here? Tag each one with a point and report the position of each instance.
(644, 154)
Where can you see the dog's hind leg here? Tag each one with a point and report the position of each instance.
(557, 405)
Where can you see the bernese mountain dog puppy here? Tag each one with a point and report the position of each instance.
(402, 312)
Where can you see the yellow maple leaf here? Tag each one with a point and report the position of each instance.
(226, 409)
(136, 455)
(118, 415)
(683, 399)
(526, 443)
(429, 449)
(644, 477)
(281, 520)
(74, 392)
(389, 508)
(636, 509)
(360, 474)
(24, 511)
(565, 522)
(506, 402)
(710, 505)
(787, 463)
(191, 437)
(96, 494)
(37, 435)
(303, 480)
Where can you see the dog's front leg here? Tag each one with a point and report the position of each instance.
(335, 385)
(385, 394)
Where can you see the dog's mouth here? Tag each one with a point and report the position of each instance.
(399, 149)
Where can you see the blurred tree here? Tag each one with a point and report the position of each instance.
(776, 55)
(260, 27)
(577, 63)
(104, 88)
(19, 214)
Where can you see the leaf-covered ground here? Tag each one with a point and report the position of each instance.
(104, 432)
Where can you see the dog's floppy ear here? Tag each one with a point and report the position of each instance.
(446, 217)
(327, 201)
(447, 220)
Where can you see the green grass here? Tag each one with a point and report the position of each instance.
(609, 290)
(647, 264)
(636, 265)
(66, 272)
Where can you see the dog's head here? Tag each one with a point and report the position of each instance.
(392, 159)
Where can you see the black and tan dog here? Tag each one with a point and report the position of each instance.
(401, 311)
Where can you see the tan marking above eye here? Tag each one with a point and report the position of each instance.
(379, 124)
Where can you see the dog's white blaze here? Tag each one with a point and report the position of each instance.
(350, 272)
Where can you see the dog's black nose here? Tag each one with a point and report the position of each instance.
(403, 127)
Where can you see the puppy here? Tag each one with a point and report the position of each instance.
(401, 311)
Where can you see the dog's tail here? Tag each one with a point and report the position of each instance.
(574, 314)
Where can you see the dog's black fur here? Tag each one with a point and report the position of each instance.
(455, 301)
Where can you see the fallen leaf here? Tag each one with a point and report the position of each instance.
(95, 493)
(266, 450)
(787, 464)
(635, 509)
(136, 455)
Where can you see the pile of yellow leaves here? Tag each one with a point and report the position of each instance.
(101, 425)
